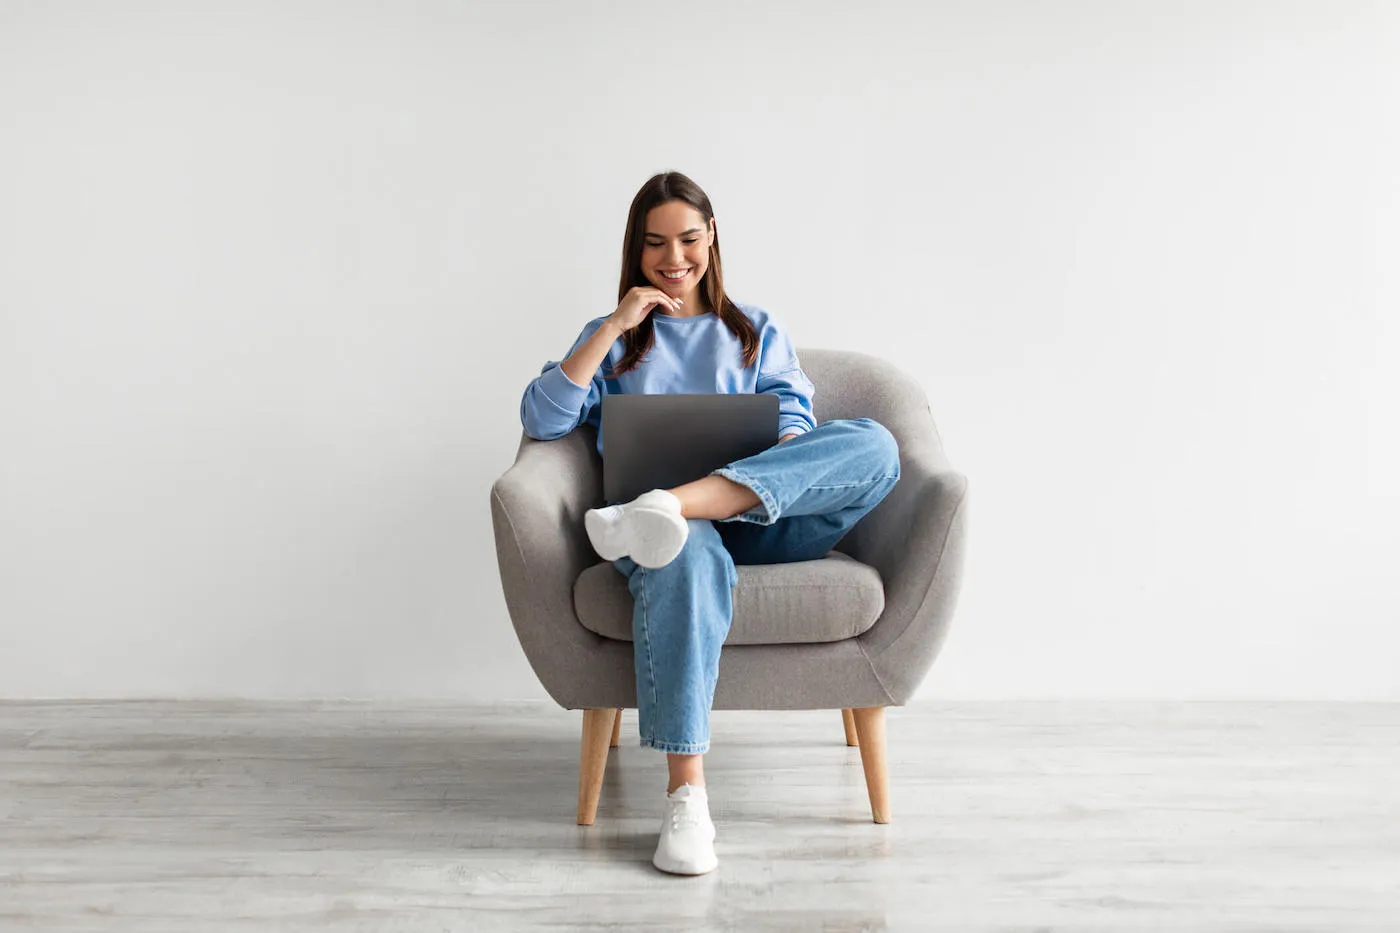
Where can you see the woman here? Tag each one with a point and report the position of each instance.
(676, 331)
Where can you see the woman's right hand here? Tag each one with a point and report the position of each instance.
(637, 304)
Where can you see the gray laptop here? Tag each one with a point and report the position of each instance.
(661, 441)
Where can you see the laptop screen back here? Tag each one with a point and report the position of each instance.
(661, 441)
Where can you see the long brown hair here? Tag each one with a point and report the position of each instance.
(659, 189)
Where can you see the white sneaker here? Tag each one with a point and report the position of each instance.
(649, 529)
(687, 839)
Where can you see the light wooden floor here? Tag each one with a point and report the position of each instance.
(194, 816)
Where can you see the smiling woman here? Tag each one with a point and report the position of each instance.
(675, 331)
(671, 229)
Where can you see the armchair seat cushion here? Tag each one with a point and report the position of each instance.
(830, 599)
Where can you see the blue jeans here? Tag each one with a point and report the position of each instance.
(812, 490)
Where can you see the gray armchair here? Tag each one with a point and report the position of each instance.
(857, 630)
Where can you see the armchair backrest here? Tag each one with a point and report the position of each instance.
(858, 385)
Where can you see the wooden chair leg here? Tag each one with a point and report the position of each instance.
(617, 731)
(870, 730)
(850, 723)
(593, 758)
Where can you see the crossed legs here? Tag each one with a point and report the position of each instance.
(826, 479)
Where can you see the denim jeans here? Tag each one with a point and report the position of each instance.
(812, 490)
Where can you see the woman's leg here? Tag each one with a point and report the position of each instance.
(684, 769)
(714, 497)
(680, 617)
(811, 490)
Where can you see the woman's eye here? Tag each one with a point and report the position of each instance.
(689, 241)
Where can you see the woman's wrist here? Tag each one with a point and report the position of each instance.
(613, 328)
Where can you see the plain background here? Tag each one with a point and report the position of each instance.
(272, 283)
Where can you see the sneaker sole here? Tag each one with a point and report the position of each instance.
(682, 868)
(667, 531)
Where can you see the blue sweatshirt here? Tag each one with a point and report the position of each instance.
(690, 355)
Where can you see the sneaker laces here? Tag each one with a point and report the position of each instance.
(685, 814)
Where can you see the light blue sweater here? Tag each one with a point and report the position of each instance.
(691, 355)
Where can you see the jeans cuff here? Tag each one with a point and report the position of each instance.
(676, 748)
(768, 503)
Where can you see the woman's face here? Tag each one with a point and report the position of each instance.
(677, 240)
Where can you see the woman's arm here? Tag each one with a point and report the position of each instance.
(585, 360)
(562, 396)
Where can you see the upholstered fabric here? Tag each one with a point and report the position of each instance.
(912, 542)
(774, 604)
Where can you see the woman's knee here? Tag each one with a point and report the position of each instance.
(884, 449)
(704, 549)
(702, 555)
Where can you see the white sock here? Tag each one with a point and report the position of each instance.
(649, 529)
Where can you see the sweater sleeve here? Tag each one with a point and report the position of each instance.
(780, 373)
(553, 404)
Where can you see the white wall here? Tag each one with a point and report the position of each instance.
(271, 284)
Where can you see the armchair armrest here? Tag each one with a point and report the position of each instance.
(537, 509)
(915, 539)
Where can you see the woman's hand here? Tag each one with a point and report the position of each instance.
(637, 304)
(786, 437)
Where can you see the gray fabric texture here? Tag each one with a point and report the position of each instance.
(913, 542)
(774, 604)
